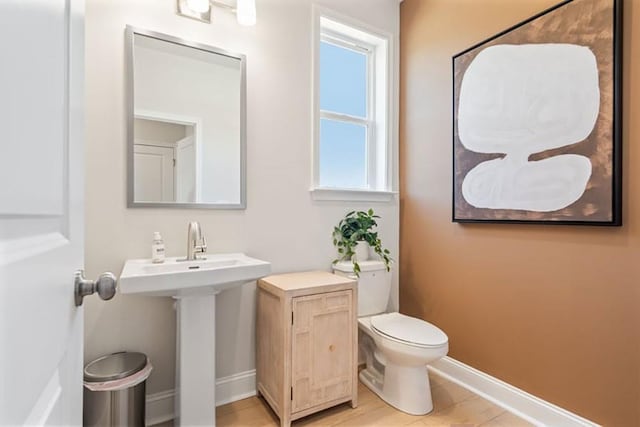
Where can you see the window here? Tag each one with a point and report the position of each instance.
(345, 115)
(351, 143)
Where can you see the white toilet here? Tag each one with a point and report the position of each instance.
(397, 348)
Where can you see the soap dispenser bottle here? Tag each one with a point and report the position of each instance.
(157, 248)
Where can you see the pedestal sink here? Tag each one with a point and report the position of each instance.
(194, 284)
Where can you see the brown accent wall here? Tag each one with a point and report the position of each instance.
(553, 310)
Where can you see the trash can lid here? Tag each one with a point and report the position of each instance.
(114, 366)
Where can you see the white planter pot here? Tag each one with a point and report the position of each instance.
(361, 251)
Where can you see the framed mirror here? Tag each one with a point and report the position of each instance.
(186, 123)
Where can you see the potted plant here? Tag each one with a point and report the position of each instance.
(354, 235)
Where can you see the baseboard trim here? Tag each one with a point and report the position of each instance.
(235, 387)
(531, 408)
(160, 406)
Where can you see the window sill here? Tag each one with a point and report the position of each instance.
(336, 194)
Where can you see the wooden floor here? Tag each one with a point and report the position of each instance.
(453, 406)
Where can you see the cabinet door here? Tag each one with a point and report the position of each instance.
(322, 349)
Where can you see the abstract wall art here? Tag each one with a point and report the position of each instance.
(537, 120)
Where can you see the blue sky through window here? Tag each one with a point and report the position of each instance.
(343, 80)
(342, 154)
(343, 90)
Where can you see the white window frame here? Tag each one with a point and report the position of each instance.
(379, 123)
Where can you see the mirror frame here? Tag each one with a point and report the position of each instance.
(130, 98)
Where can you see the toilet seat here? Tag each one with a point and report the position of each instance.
(408, 330)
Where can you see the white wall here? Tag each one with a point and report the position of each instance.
(152, 131)
(281, 223)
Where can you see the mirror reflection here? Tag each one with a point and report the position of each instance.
(187, 143)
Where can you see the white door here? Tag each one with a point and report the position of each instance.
(41, 211)
(186, 170)
(154, 178)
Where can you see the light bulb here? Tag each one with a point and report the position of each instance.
(246, 12)
(200, 6)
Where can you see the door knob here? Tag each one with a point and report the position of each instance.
(105, 286)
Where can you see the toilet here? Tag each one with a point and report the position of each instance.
(397, 348)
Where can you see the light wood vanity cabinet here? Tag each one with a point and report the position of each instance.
(306, 342)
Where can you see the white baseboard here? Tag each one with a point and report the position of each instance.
(160, 406)
(531, 408)
(235, 387)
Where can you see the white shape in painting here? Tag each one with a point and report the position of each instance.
(525, 99)
(540, 186)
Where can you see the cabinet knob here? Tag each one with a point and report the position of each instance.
(332, 347)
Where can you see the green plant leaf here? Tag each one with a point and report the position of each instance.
(358, 226)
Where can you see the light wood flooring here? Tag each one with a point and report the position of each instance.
(453, 406)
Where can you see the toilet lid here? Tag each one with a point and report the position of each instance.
(409, 329)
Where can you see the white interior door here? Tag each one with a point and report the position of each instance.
(153, 173)
(186, 170)
(41, 211)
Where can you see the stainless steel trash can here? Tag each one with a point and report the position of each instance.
(114, 390)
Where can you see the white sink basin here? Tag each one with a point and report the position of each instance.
(176, 278)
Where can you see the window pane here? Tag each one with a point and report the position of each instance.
(343, 154)
(343, 80)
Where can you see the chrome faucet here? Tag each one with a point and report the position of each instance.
(196, 243)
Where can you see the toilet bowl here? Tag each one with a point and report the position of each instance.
(404, 380)
(397, 348)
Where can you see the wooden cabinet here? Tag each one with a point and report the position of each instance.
(306, 342)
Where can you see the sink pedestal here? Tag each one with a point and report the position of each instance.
(195, 402)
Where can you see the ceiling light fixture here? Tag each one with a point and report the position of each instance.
(245, 10)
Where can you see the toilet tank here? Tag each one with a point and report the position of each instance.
(374, 285)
